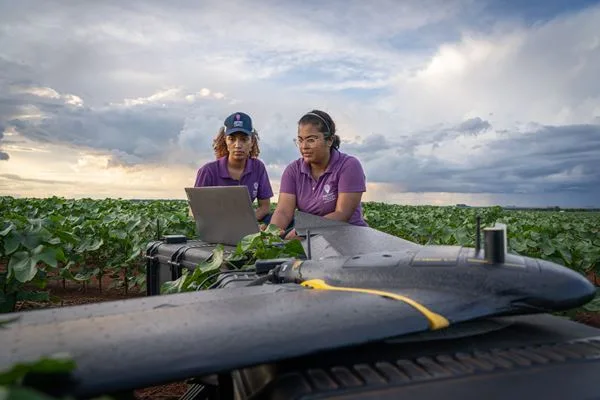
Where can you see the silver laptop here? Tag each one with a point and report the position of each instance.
(223, 214)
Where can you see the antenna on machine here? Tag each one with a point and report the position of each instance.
(308, 255)
(478, 235)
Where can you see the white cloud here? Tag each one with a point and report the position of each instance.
(162, 96)
(40, 91)
(47, 93)
(543, 73)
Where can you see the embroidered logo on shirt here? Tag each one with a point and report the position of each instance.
(327, 197)
(255, 185)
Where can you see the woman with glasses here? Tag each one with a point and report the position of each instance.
(237, 163)
(324, 181)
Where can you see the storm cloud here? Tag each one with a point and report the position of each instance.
(543, 159)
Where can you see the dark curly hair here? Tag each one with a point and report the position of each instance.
(220, 146)
(324, 123)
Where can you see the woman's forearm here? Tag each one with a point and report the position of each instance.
(261, 211)
(281, 219)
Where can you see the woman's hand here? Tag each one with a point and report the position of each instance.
(291, 234)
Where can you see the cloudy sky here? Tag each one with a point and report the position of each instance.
(444, 101)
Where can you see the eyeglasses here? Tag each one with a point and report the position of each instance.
(310, 141)
(234, 138)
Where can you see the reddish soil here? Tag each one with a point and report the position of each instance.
(588, 318)
(165, 392)
(594, 278)
(70, 293)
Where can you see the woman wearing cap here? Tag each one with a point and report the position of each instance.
(237, 163)
(324, 181)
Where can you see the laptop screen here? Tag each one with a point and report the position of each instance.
(223, 214)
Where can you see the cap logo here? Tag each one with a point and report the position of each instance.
(238, 124)
(237, 117)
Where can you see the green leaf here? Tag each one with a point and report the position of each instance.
(121, 235)
(5, 322)
(12, 242)
(194, 281)
(135, 254)
(34, 237)
(9, 228)
(272, 229)
(33, 296)
(65, 237)
(7, 303)
(293, 248)
(216, 260)
(175, 286)
(47, 255)
(22, 393)
(89, 245)
(58, 363)
(461, 237)
(566, 255)
(83, 276)
(594, 305)
(54, 241)
(251, 241)
(22, 266)
(132, 225)
(547, 249)
(66, 273)
(517, 245)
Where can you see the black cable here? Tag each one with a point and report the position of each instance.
(268, 277)
(259, 281)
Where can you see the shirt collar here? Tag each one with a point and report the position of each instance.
(222, 165)
(224, 171)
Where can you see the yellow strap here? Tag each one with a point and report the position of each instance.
(436, 321)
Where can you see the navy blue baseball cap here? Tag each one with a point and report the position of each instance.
(238, 122)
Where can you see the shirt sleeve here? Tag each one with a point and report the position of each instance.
(352, 177)
(204, 178)
(288, 180)
(264, 185)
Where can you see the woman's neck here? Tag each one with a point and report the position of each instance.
(236, 168)
(236, 164)
(317, 169)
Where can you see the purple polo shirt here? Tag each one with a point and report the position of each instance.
(255, 177)
(343, 174)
